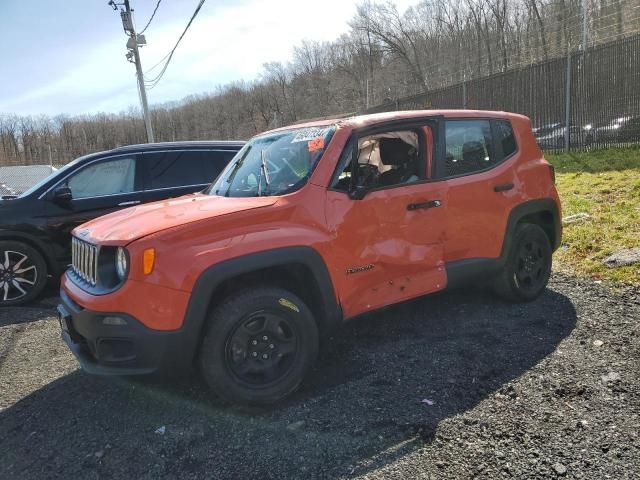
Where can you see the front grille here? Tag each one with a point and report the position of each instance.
(84, 260)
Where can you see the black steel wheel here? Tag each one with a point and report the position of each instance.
(259, 345)
(23, 273)
(262, 349)
(528, 267)
(531, 265)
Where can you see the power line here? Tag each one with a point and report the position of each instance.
(152, 15)
(154, 81)
(157, 64)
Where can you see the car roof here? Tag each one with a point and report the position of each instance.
(197, 144)
(359, 121)
(161, 146)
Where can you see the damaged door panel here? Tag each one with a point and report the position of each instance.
(395, 232)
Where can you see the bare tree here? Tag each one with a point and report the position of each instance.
(386, 54)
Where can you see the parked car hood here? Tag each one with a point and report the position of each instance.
(125, 226)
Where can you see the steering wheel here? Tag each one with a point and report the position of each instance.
(367, 175)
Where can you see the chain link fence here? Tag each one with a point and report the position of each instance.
(17, 179)
(595, 92)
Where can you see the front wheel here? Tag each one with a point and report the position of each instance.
(23, 273)
(528, 267)
(259, 345)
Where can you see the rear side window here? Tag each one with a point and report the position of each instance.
(506, 138)
(214, 162)
(469, 147)
(185, 168)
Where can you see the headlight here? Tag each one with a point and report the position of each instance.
(122, 263)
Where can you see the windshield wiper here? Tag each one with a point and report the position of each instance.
(264, 171)
(232, 175)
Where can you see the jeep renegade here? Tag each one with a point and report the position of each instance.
(307, 226)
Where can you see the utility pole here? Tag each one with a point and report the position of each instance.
(133, 56)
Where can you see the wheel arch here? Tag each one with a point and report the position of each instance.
(48, 257)
(300, 269)
(542, 212)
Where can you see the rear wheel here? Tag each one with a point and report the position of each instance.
(23, 273)
(528, 267)
(259, 345)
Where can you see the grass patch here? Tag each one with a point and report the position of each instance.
(612, 200)
(594, 161)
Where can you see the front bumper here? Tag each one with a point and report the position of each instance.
(122, 349)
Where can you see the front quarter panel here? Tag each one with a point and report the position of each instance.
(183, 253)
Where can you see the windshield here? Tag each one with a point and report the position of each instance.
(273, 164)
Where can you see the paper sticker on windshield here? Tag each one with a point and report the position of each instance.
(316, 144)
(308, 134)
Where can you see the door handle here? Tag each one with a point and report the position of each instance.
(429, 204)
(503, 187)
(128, 204)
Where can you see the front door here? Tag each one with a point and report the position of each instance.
(101, 187)
(388, 245)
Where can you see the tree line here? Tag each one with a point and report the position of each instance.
(386, 54)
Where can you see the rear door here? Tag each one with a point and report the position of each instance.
(483, 188)
(173, 173)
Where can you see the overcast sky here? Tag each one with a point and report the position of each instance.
(69, 57)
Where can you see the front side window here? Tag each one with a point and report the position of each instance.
(273, 164)
(110, 177)
(468, 147)
(384, 160)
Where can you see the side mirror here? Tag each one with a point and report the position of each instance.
(366, 176)
(62, 195)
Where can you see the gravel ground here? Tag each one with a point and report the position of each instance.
(457, 385)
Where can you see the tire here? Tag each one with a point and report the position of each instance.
(23, 273)
(259, 345)
(528, 267)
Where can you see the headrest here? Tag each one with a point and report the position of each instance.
(394, 151)
(473, 148)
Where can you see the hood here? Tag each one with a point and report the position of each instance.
(130, 224)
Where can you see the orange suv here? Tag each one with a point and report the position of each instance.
(310, 225)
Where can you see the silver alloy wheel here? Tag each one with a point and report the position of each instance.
(17, 275)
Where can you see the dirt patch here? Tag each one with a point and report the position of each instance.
(457, 385)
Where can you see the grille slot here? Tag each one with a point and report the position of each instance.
(84, 260)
